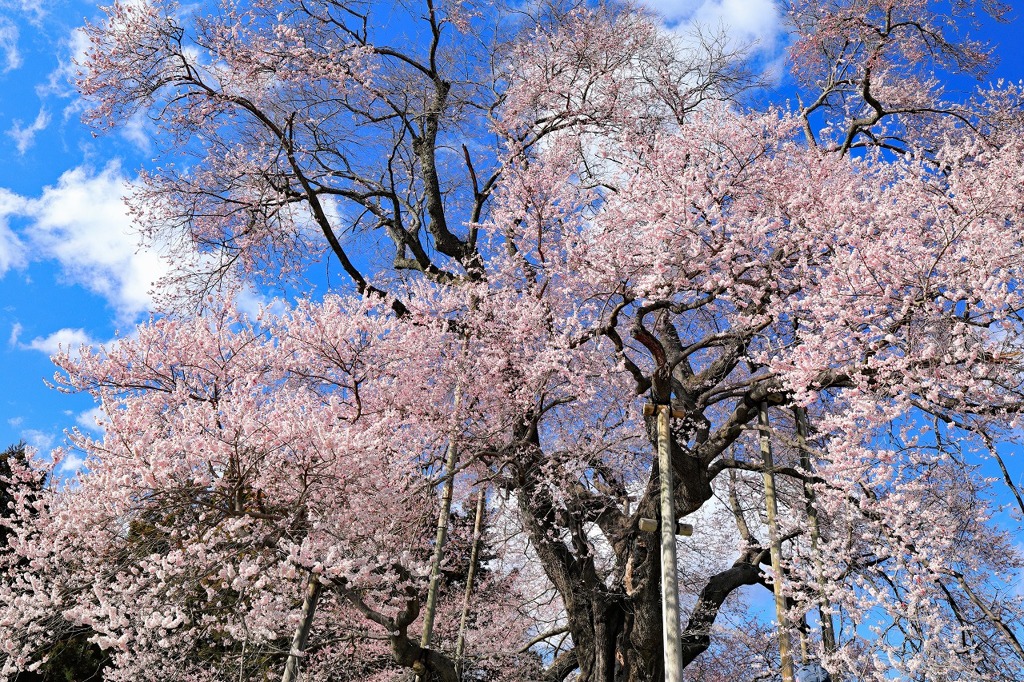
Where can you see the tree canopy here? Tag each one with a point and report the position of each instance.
(547, 216)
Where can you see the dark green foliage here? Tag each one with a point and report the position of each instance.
(70, 657)
(11, 459)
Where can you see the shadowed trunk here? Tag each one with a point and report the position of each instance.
(616, 629)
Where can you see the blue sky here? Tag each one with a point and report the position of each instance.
(70, 269)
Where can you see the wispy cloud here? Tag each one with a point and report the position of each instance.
(12, 251)
(25, 137)
(71, 52)
(12, 340)
(138, 130)
(71, 463)
(33, 10)
(743, 21)
(10, 56)
(40, 440)
(63, 340)
(93, 420)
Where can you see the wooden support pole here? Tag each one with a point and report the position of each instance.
(460, 644)
(669, 572)
(439, 540)
(298, 647)
(442, 533)
(775, 544)
(805, 645)
(828, 633)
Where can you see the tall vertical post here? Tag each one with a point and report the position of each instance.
(828, 633)
(669, 576)
(442, 535)
(785, 647)
(805, 645)
(460, 643)
(298, 647)
(442, 530)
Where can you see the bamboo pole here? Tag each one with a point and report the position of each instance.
(828, 633)
(443, 515)
(805, 646)
(442, 533)
(460, 644)
(669, 571)
(775, 544)
(298, 646)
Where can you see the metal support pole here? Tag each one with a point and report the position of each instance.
(669, 577)
(785, 647)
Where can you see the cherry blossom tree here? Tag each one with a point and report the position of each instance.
(579, 213)
(241, 484)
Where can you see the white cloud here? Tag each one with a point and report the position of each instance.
(71, 463)
(67, 339)
(10, 57)
(72, 52)
(138, 130)
(16, 328)
(744, 21)
(15, 422)
(40, 440)
(93, 420)
(33, 10)
(83, 223)
(252, 302)
(24, 138)
(673, 10)
(12, 251)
